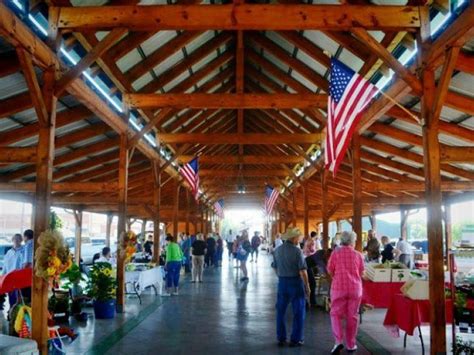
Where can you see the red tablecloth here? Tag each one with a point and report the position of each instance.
(16, 280)
(379, 294)
(407, 314)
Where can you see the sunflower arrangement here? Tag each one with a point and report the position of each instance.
(129, 242)
(101, 285)
(52, 256)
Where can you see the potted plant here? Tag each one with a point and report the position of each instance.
(101, 288)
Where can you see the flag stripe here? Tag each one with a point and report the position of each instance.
(349, 94)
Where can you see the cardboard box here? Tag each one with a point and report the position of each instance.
(400, 275)
(416, 289)
(378, 275)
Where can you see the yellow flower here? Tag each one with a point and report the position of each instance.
(107, 272)
(51, 271)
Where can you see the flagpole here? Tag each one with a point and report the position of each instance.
(395, 102)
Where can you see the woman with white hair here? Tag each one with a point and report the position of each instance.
(346, 266)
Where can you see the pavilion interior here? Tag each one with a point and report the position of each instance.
(250, 102)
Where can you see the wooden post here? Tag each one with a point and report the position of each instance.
(306, 208)
(143, 230)
(188, 206)
(176, 210)
(324, 210)
(286, 216)
(108, 228)
(122, 219)
(295, 211)
(202, 220)
(373, 221)
(448, 232)
(356, 191)
(157, 205)
(404, 213)
(44, 174)
(339, 226)
(280, 222)
(78, 234)
(432, 172)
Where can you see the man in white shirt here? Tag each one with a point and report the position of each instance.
(229, 238)
(278, 240)
(405, 251)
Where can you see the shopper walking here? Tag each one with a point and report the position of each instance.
(211, 250)
(229, 238)
(290, 267)
(198, 250)
(346, 266)
(243, 252)
(255, 243)
(174, 258)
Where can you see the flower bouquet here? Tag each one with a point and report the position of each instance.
(102, 288)
(52, 256)
(129, 242)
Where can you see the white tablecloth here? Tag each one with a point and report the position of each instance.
(143, 279)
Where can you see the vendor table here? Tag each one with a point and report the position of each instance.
(140, 280)
(379, 294)
(407, 314)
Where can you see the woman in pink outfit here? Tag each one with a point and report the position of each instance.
(346, 267)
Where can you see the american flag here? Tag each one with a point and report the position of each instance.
(190, 174)
(349, 93)
(219, 207)
(271, 195)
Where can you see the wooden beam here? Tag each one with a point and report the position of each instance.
(78, 236)
(227, 101)
(239, 17)
(122, 220)
(244, 159)
(34, 88)
(392, 186)
(108, 228)
(149, 126)
(71, 187)
(443, 84)
(157, 215)
(15, 104)
(108, 41)
(305, 209)
(356, 191)
(433, 196)
(324, 209)
(450, 154)
(17, 154)
(246, 138)
(42, 201)
(383, 53)
(244, 173)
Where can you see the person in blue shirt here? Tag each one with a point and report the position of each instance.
(13, 261)
(27, 259)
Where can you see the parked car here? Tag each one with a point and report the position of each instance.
(92, 246)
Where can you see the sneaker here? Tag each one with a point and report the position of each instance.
(337, 348)
(353, 350)
(192, 281)
(175, 293)
(296, 344)
(281, 343)
(166, 294)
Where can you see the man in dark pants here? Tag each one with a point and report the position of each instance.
(293, 286)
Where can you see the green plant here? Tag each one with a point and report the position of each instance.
(101, 285)
(55, 223)
(463, 347)
(73, 276)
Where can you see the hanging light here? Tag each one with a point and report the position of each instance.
(241, 189)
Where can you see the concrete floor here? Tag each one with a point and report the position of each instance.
(223, 316)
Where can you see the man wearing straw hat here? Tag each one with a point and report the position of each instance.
(290, 266)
